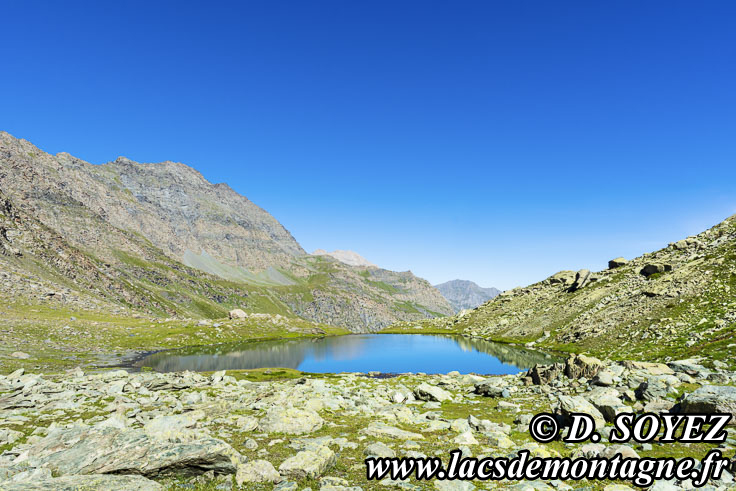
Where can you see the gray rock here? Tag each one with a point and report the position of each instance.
(582, 278)
(426, 392)
(308, 463)
(257, 471)
(617, 263)
(652, 390)
(237, 314)
(576, 404)
(491, 387)
(291, 421)
(581, 366)
(378, 449)
(85, 450)
(711, 399)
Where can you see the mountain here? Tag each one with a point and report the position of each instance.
(675, 303)
(464, 294)
(347, 257)
(169, 242)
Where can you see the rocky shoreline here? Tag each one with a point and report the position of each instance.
(188, 430)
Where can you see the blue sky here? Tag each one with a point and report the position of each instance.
(493, 141)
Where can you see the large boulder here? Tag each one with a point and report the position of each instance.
(544, 374)
(651, 390)
(108, 450)
(257, 471)
(308, 463)
(426, 392)
(237, 314)
(490, 387)
(711, 399)
(582, 278)
(563, 278)
(576, 404)
(654, 268)
(617, 263)
(291, 420)
(578, 366)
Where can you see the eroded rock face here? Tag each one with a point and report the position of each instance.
(579, 366)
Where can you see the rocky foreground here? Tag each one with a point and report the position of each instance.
(125, 431)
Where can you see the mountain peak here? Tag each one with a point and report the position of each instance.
(350, 258)
(465, 294)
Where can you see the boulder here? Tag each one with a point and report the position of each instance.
(579, 366)
(576, 404)
(426, 392)
(382, 430)
(563, 277)
(378, 449)
(90, 450)
(582, 278)
(617, 263)
(652, 390)
(711, 399)
(490, 387)
(651, 368)
(544, 374)
(308, 463)
(237, 314)
(653, 268)
(257, 471)
(291, 421)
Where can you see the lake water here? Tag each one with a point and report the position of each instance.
(386, 353)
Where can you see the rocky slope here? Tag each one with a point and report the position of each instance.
(673, 303)
(162, 239)
(464, 294)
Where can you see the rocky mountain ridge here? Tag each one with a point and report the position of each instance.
(350, 258)
(163, 234)
(464, 294)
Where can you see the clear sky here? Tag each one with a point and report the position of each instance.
(493, 141)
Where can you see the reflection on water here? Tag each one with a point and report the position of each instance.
(388, 353)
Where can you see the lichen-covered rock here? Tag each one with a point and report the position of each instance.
(308, 463)
(291, 421)
(257, 471)
(90, 450)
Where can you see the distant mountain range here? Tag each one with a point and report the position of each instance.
(464, 294)
(161, 239)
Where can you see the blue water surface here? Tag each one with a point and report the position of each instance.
(386, 353)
